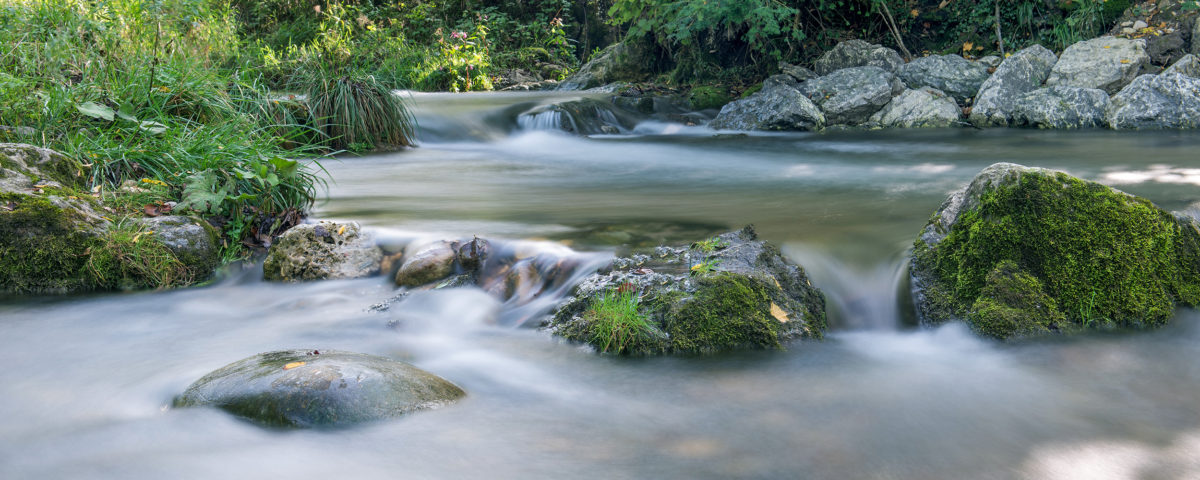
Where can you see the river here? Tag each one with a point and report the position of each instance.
(88, 379)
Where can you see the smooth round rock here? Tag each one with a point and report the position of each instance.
(327, 388)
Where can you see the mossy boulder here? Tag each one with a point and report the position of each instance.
(708, 97)
(319, 388)
(729, 292)
(1027, 251)
(320, 251)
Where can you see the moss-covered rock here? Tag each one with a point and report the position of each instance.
(708, 97)
(730, 292)
(1023, 251)
(318, 388)
(52, 240)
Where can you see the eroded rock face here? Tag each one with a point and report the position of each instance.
(730, 292)
(1061, 107)
(1106, 63)
(1021, 73)
(1027, 251)
(851, 95)
(777, 106)
(952, 74)
(323, 250)
(1168, 100)
(857, 53)
(923, 108)
(319, 388)
(617, 62)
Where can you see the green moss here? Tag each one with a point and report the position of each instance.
(727, 312)
(706, 97)
(752, 90)
(1013, 303)
(1093, 254)
(129, 258)
(41, 251)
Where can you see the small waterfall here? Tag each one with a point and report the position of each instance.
(548, 119)
(857, 298)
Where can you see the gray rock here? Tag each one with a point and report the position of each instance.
(857, 53)
(427, 264)
(955, 75)
(324, 250)
(775, 107)
(1107, 63)
(797, 72)
(1169, 100)
(781, 79)
(193, 241)
(1021, 73)
(1165, 49)
(921, 108)
(1196, 36)
(1061, 107)
(1188, 65)
(326, 388)
(1140, 24)
(618, 62)
(990, 61)
(730, 292)
(850, 95)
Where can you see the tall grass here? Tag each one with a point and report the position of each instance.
(616, 324)
(359, 113)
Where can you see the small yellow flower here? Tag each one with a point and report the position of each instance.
(154, 182)
(164, 89)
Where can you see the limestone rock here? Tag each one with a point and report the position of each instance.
(1188, 65)
(924, 107)
(319, 388)
(618, 62)
(1168, 100)
(730, 292)
(952, 74)
(850, 95)
(1028, 251)
(797, 72)
(776, 107)
(857, 53)
(1021, 73)
(1061, 107)
(1107, 63)
(193, 241)
(324, 250)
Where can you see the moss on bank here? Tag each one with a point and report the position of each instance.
(45, 248)
(1050, 252)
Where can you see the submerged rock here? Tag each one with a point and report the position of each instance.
(1021, 73)
(777, 106)
(326, 388)
(857, 53)
(1168, 100)
(730, 292)
(849, 96)
(1061, 107)
(1106, 63)
(427, 264)
(587, 116)
(1027, 251)
(324, 250)
(952, 74)
(923, 108)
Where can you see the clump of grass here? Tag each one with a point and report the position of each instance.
(616, 324)
(355, 111)
(128, 256)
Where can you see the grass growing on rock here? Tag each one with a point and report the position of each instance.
(617, 326)
(1050, 252)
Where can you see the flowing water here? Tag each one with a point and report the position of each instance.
(87, 379)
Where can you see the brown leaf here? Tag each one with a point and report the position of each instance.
(151, 210)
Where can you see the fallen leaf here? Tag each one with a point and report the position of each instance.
(1124, 60)
(342, 230)
(967, 46)
(778, 313)
(293, 365)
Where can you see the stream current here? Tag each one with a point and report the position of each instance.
(88, 379)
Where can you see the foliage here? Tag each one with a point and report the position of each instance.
(153, 90)
(128, 257)
(616, 325)
(359, 111)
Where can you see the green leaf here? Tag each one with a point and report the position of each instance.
(284, 167)
(95, 110)
(126, 113)
(198, 193)
(152, 127)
